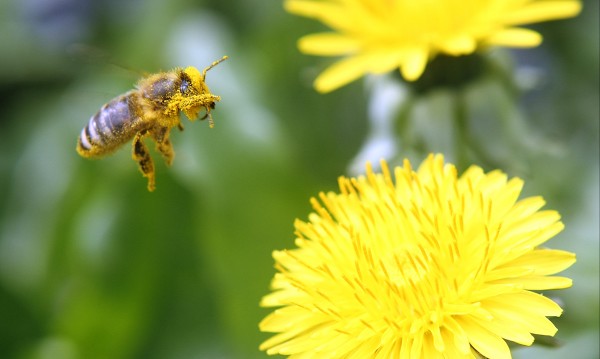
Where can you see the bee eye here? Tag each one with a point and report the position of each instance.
(185, 86)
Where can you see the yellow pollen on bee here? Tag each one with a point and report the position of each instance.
(195, 76)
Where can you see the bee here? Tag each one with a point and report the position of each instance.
(150, 110)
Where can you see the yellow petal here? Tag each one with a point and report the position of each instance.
(530, 232)
(543, 11)
(538, 282)
(506, 329)
(309, 8)
(459, 45)
(526, 207)
(384, 61)
(545, 234)
(414, 64)
(328, 44)
(492, 290)
(351, 68)
(342, 73)
(525, 304)
(542, 261)
(527, 310)
(485, 342)
(515, 37)
(329, 13)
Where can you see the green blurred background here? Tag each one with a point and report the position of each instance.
(94, 266)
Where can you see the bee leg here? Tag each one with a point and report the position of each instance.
(163, 144)
(142, 156)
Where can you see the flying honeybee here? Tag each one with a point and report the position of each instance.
(152, 109)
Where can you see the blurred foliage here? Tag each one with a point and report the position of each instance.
(94, 266)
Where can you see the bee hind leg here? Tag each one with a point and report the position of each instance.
(141, 155)
(163, 144)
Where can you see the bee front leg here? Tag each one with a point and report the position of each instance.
(163, 143)
(141, 155)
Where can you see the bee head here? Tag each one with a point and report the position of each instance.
(197, 78)
(195, 94)
(192, 81)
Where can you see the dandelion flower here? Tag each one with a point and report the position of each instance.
(377, 36)
(429, 265)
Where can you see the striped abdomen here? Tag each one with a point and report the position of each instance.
(115, 124)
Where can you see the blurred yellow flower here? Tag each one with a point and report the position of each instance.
(378, 36)
(430, 265)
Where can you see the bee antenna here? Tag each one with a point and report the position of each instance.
(215, 63)
(211, 123)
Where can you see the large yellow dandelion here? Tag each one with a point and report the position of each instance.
(424, 264)
(377, 36)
